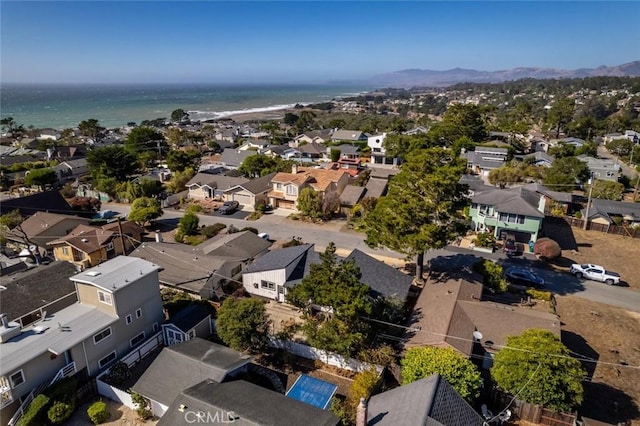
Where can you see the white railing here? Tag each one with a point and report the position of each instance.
(143, 350)
(66, 371)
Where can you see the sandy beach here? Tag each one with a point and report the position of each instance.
(253, 116)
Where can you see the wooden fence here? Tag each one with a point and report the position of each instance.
(533, 413)
(625, 231)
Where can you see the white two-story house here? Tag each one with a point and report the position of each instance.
(119, 307)
(378, 151)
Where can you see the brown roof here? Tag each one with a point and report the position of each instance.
(128, 227)
(448, 312)
(319, 179)
(40, 221)
(87, 239)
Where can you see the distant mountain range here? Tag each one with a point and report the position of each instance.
(418, 77)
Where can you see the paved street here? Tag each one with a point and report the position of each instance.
(280, 228)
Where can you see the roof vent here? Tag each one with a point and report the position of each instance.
(85, 240)
(93, 273)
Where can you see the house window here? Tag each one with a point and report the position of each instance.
(16, 379)
(191, 334)
(105, 298)
(138, 313)
(137, 340)
(291, 190)
(156, 327)
(65, 251)
(267, 285)
(128, 319)
(511, 218)
(102, 335)
(107, 359)
(279, 186)
(109, 246)
(484, 209)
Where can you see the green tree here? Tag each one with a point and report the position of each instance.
(504, 176)
(565, 173)
(9, 221)
(398, 145)
(112, 162)
(456, 369)
(334, 153)
(458, 121)
(90, 128)
(290, 118)
(259, 165)
(10, 125)
(620, 147)
(243, 324)
(561, 114)
(178, 115)
(188, 224)
(144, 139)
(607, 190)
(538, 359)
(179, 161)
(423, 208)
(562, 150)
(40, 178)
(310, 203)
(179, 180)
(144, 210)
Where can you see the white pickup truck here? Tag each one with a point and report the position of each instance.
(595, 272)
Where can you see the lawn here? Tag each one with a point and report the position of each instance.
(611, 336)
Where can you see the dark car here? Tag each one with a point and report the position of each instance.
(522, 276)
(510, 247)
(229, 207)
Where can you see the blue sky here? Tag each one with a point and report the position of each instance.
(303, 41)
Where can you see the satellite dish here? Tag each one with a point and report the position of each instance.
(477, 335)
(33, 248)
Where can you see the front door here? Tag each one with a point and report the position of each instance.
(280, 293)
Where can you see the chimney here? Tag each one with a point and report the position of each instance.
(361, 413)
(158, 236)
(5, 322)
(294, 169)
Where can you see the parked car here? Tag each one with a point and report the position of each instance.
(595, 272)
(522, 276)
(263, 235)
(510, 247)
(229, 207)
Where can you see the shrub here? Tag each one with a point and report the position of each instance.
(60, 411)
(232, 229)
(546, 248)
(98, 412)
(578, 215)
(250, 229)
(35, 412)
(118, 374)
(63, 390)
(212, 230)
(254, 215)
(194, 208)
(539, 294)
(143, 406)
(486, 239)
(492, 273)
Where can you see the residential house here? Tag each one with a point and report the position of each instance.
(608, 212)
(86, 246)
(602, 168)
(313, 151)
(279, 270)
(424, 402)
(451, 308)
(575, 142)
(609, 137)
(348, 135)
(378, 151)
(517, 211)
(286, 187)
(632, 135)
(418, 130)
(68, 152)
(347, 151)
(206, 185)
(204, 270)
(541, 159)
(350, 197)
(228, 401)
(251, 193)
(183, 365)
(27, 297)
(538, 145)
(233, 158)
(42, 228)
(552, 199)
(119, 307)
(49, 134)
(484, 159)
(44, 201)
(194, 320)
(254, 145)
(314, 136)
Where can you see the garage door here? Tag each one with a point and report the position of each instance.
(243, 199)
(286, 204)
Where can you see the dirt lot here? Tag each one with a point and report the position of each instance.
(614, 252)
(608, 335)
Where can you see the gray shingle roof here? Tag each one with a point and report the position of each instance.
(185, 364)
(220, 182)
(28, 291)
(259, 185)
(279, 259)
(347, 135)
(376, 187)
(189, 316)
(430, 401)
(351, 195)
(382, 279)
(234, 158)
(347, 149)
(116, 273)
(250, 404)
(605, 208)
(511, 200)
(239, 245)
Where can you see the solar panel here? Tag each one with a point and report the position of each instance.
(312, 391)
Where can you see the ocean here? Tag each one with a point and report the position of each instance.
(114, 105)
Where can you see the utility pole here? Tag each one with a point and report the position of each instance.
(586, 216)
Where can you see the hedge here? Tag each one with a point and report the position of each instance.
(36, 412)
(98, 412)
